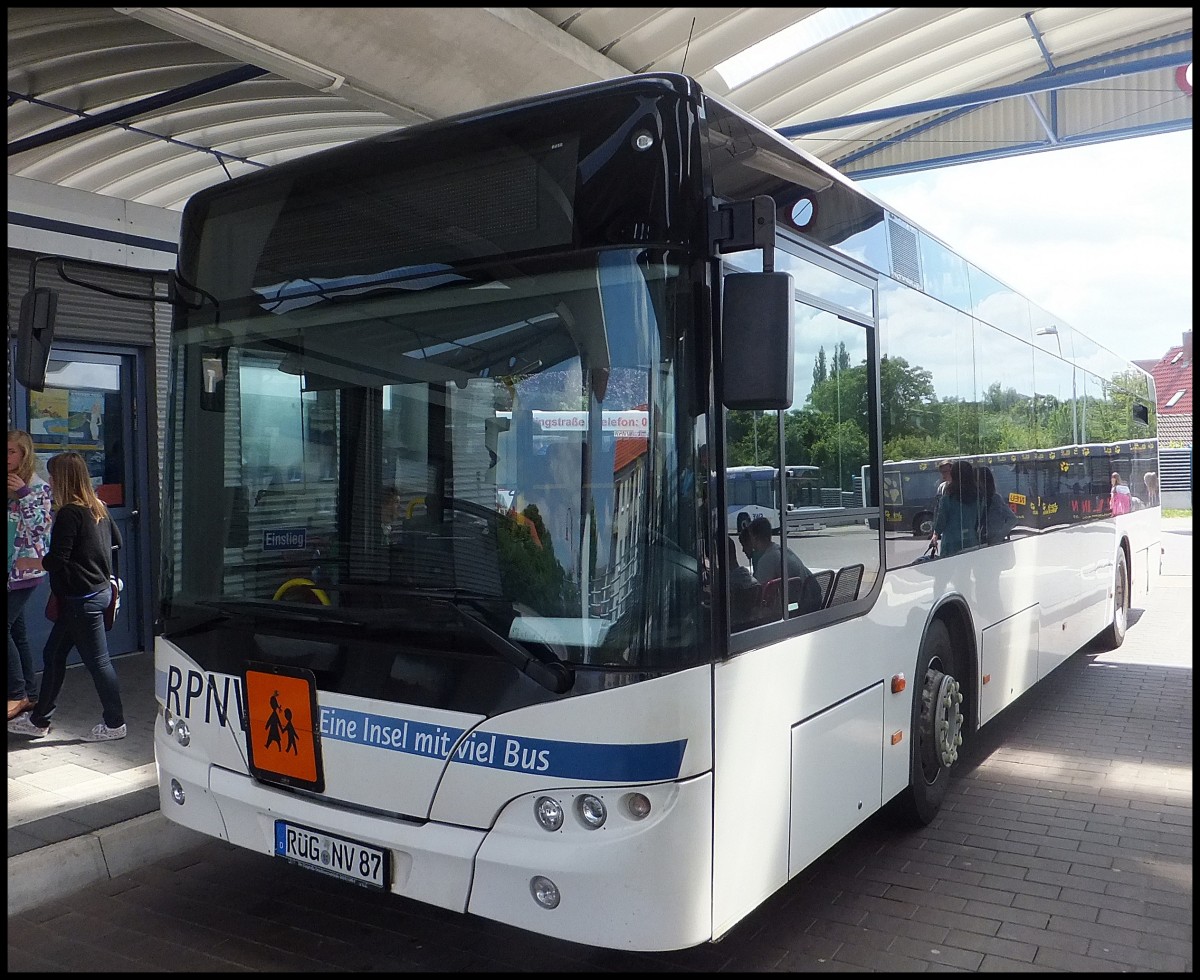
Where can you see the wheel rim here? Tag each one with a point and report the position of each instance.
(941, 722)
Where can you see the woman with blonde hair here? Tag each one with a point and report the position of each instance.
(79, 562)
(29, 504)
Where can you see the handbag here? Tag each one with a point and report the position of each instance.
(110, 611)
(930, 553)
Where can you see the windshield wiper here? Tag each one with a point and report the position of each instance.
(553, 675)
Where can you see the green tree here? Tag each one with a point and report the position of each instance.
(529, 572)
(908, 400)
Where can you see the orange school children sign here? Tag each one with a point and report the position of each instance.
(283, 739)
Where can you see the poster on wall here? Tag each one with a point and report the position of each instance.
(63, 418)
(66, 418)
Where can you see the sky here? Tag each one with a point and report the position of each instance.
(1100, 236)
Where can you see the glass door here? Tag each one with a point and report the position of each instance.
(87, 406)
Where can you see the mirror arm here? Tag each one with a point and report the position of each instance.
(741, 225)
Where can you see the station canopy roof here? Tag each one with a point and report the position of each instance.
(151, 104)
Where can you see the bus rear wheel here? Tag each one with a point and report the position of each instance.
(1114, 634)
(922, 525)
(937, 727)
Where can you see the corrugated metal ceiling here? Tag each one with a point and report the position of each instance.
(160, 103)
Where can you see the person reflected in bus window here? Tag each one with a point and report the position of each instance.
(956, 525)
(767, 558)
(389, 511)
(744, 541)
(998, 518)
(744, 590)
(740, 576)
(1120, 500)
(944, 470)
(1151, 481)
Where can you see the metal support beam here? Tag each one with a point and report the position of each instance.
(1044, 83)
(171, 97)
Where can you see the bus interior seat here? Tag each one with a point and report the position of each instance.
(796, 585)
(824, 580)
(770, 592)
(845, 584)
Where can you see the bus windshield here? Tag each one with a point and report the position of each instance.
(440, 456)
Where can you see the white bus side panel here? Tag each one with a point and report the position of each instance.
(837, 774)
(1010, 662)
(763, 701)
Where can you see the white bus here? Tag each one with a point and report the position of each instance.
(750, 492)
(753, 491)
(545, 330)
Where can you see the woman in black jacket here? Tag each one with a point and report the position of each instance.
(79, 561)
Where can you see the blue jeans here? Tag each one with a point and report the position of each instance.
(21, 675)
(80, 624)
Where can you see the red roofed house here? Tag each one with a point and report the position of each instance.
(1172, 375)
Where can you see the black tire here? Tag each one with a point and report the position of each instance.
(1113, 635)
(922, 525)
(936, 699)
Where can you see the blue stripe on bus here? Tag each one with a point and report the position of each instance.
(511, 753)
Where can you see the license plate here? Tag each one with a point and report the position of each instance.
(329, 854)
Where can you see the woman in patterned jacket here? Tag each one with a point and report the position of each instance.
(29, 502)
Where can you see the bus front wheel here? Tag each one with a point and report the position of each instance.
(937, 726)
(923, 525)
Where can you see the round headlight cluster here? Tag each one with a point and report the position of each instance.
(592, 811)
(549, 813)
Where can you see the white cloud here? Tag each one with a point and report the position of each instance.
(1100, 235)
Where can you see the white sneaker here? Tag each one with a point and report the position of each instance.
(102, 733)
(21, 725)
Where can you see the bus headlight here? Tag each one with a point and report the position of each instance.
(183, 734)
(169, 721)
(592, 811)
(545, 892)
(549, 813)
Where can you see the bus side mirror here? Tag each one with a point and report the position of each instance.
(757, 327)
(35, 335)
